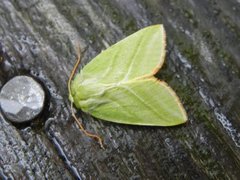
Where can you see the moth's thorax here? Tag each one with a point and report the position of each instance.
(87, 94)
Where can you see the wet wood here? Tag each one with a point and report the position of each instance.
(39, 38)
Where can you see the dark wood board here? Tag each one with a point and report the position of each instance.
(39, 38)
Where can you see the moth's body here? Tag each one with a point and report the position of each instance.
(119, 84)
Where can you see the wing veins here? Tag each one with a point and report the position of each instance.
(125, 112)
(111, 63)
(142, 100)
(133, 59)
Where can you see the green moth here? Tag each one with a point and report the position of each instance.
(119, 85)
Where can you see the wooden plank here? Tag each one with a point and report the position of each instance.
(38, 38)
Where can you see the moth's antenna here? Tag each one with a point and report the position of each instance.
(74, 69)
(94, 136)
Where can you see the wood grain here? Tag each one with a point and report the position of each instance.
(38, 38)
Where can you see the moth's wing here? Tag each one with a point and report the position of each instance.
(139, 54)
(142, 102)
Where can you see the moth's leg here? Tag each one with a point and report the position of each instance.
(94, 136)
(71, 98)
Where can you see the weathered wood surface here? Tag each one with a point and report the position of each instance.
(38, 38)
